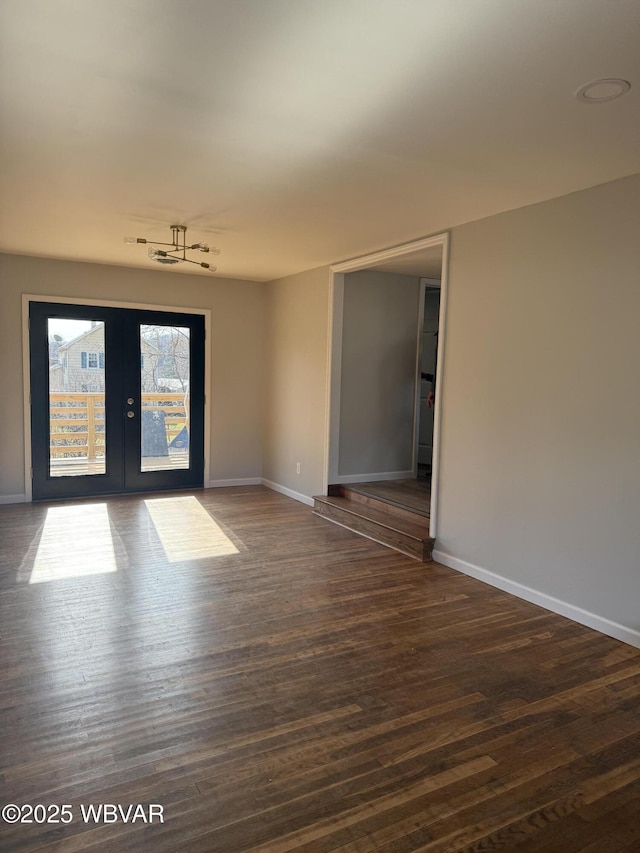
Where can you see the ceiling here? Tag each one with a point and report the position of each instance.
(297, 133)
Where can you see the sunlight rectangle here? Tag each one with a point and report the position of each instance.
(76, 541)
(186, 530)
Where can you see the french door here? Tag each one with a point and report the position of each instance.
(117, 400)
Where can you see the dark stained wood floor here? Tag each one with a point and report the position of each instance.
(280, 684)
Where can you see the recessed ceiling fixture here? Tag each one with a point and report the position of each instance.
(605, 89)
(177, 254)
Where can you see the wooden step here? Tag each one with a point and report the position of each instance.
(356, 493)
(410, 535)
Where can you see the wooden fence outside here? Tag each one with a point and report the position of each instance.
(76, 421)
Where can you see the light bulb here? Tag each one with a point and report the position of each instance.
(134, 240)
(214, 250)
(208, 267)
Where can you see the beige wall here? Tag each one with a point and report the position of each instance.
(540, 441)
(296, 399)
(378, 382)
(540, 477)
(237, 342)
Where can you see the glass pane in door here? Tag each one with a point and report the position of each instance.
(76, 397)
(165, 410)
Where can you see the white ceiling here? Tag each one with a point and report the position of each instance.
(296, 133)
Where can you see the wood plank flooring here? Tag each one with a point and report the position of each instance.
(82, 466)
(281, 684)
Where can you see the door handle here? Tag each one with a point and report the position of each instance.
(131, 414)
(129, 401)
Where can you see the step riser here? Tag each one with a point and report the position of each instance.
(381, 505)
(419, 549)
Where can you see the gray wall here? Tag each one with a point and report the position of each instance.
(379, 345)
(237, 343)
(297, 335)
(540, 440)
(540, 477)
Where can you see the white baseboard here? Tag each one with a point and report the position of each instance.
(297, 496)
(563, 608)
(13, 499)
(372, 478)
(221, 484)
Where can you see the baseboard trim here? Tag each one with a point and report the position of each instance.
(372, 478)
(283, 490)
(13, 499)
(631, 636)
(247, 481)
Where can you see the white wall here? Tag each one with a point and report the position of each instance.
(296, 390)
(237, 343)
(377, 391)
(540, 476)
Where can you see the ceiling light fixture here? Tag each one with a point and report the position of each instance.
(177, 254)
(606, 89)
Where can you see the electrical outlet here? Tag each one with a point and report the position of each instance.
(297, 467)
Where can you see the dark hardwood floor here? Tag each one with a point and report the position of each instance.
(280, 684)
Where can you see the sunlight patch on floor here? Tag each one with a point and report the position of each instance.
(186, 530)
(76, 541)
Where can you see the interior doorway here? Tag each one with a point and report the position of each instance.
(117, 399)
(420, 260)
(429, 333)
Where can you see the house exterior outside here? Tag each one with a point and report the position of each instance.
(80, 364)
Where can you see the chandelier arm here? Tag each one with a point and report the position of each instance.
(201, 264)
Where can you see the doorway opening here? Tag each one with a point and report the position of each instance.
(382, 435)
(430, 302)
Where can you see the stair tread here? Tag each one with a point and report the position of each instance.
(366, 493)
(417, 530)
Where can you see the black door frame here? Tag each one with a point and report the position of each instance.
(114, 481)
